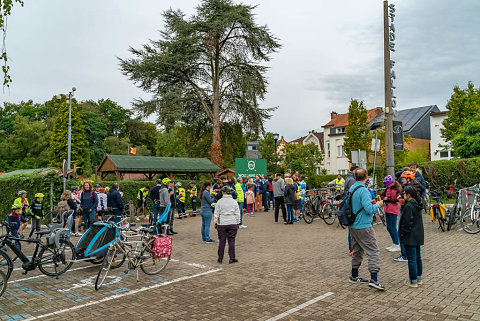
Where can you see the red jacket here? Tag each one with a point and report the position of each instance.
(390, 198)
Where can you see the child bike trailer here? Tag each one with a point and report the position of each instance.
(95, 242)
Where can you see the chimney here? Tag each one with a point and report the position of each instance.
(333, 115)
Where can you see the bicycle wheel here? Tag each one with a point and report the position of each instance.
(149, 263)
(104, 268)
(3, 282)
(441, 220)
(308, 213)
(118, 259)
(56, 261)
(6, 264)
(51, 218)
(470, 220)
(453, 218)
(327, 214)
(10, 253)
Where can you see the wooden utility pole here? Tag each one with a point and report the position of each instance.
(389, 156)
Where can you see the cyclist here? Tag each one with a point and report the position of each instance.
(23, 202)
(36, 212)
(14, 218)
(180, 196)
(142, 200)
(193, 194)
(102, 203)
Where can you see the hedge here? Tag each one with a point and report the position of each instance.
(466, 172)
(316, 181)
(34, 183)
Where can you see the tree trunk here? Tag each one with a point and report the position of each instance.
(216, 148)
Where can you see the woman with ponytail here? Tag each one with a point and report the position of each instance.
(412, 235)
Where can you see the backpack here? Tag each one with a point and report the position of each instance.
(345, 213)
(62, 207)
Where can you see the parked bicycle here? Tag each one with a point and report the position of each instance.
(139, 253)
(438, 211)
(53, 257)
(471, 217)
(457, 210)
(3, 282)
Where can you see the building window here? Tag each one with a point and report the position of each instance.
(341, 130)
(444, 154)
(252, 147)
(328, 149)
(340, 151)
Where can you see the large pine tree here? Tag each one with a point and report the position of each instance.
(209, 66)
(59, 137)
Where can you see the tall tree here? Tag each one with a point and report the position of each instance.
(466, 143)
(464, 104)
(59, 138)
(115, 116)
(267, 149)
(305, 158)
(5, 11)
(215, 57)
(357, 131)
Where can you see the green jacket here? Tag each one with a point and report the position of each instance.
(239, 190)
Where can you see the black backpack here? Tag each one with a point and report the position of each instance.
(345, 213)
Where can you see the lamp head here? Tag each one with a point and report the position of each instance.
(74, 89)
(275, 136)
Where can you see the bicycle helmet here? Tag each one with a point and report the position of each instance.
(227, 189)
(408, 174)
(74, 188)
(192, 182)
(16, 207)
(166, 180)
(178, 184)
(22, 192)
(388, 180)
(97, 186)
(39, 195)
(368, 181)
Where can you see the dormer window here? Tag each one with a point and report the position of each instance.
(341, 130)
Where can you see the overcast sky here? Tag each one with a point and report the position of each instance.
(332, 51)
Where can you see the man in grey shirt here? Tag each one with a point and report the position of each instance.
(278, 188)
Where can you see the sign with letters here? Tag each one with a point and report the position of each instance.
(250, 167)
(398, 143)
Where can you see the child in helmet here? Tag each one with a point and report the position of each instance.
(36, 212)
(180, 196)
(24, 205)
(390, 196)
(14, 220)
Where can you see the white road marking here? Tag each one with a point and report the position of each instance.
(89, 282)
(299, 307)
(120, 295)
(201, 266)
(43, 275)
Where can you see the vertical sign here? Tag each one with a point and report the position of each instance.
(391, 46)
(398, 136)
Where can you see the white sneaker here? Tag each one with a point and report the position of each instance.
(243, 226)
(390, 247)
(395, 248)
(138, 218)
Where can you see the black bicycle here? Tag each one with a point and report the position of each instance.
(53, 257)
(3, 282)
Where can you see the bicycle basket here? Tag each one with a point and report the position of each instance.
(162, 247)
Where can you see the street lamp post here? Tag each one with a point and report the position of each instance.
(275, 138)
(69, 152)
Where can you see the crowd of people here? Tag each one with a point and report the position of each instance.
(401, 198)
(225, 200)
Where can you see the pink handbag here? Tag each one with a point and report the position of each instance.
(162, 247)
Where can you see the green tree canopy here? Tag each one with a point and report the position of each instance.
(59, 137)
(357, 133)
(213, 59)
(119, 146)
(466, 143)
(306, 158)
(267, 149)
(5, 11)
(464, 105)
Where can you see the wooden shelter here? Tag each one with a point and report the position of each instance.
(229, 172)
(151, 166)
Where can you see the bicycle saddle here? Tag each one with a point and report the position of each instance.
(42, 232)
(148, 230)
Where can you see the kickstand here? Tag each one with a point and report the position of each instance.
(137, 275)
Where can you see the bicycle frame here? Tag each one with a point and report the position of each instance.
(29, 264)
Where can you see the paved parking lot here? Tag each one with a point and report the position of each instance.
(293, 272)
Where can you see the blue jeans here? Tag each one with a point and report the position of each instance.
(349, 242)
(206, 220)
(414, 263)
(156, 210)
(240, 206)
(194, 204)
(289, 212)
(391, 220)
(117, 217)
(88, 218)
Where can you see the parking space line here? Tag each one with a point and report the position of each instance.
(43, 275)
(299, 307)
(120, 295)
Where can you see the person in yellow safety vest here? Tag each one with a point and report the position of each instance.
(193, 195)
(23, 202)
(339, 183)
(298, 199)
(180, 195)
(240, 200)
(142, 200)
